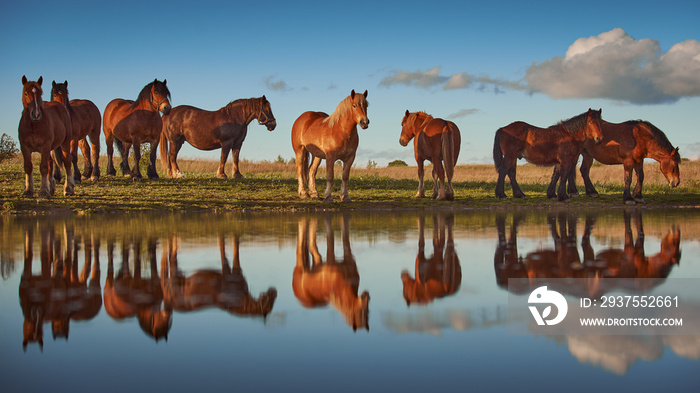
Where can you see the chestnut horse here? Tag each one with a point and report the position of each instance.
(628, 143)
(331, 138)
(86, 121)
(225, 288)
(336, 281)
(129, 123)
(558, 145)
(437, 276)
(45, 128)
(223, 129)
(437, 141)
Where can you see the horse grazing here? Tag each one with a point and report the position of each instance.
(86, 121)
(437, 141)
(129, 123)
(628, 143)
(335, 281)
(437, 276)
(331, 138)
(44, 127)
(223, 129)
(558, 145)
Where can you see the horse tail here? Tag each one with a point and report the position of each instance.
(120, 146)
(448, 149)
(497, 153)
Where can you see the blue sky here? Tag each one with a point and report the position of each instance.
(481, 65)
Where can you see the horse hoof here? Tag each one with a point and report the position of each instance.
(573, 195)
(630, 202)
(179, 175)
(640, 200)
(346, 198)
(237, 175)
(450, 197)
(222, 176)
(328, 199)
(565, 200)
(594, 195)
(27, 194)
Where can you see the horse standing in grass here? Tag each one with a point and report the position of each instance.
(331, 138)
(437, 141)
(224, 129)
(558, 145)
(44, 127)
(129, 123)
(86, 122)
(628, 143)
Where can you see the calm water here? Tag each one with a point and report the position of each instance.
(337, 302)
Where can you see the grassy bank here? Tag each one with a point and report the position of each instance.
(272, 186)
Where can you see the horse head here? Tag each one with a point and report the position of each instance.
(593, 128)
(669, 167)
(266, 118)
(31, 98)
(360, 312)
(359, 108)
(160, 96)
(59, 92)
(407, 129)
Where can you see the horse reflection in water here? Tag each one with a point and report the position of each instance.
(564, 261)
(225, 289)
(58, 294)
(334, 281)
(437, 276)
(128, 295)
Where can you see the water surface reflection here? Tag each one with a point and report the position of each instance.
(264, 289)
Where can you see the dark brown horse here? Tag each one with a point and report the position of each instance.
(129, 123)
(437, 276)
(558, 145)
(329, 138)
(223, 129)
(225, 288)
(628, 143)
(86, 122)
(317, 283)
(437, 141)
(45, 128)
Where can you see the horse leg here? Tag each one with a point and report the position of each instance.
(151, 171)
(565, 172)
(74, 160)
(87, 167)
(302, 158)
(330, 164)
(124, 151)
(500, 183)
(449, 172)
(439, 174)
(586, 164)
(45, 167)
(136, 170)
(56, 170)
(28, 177)
(109, 141)
(556, 175)
(626, 196)
(517, 192)
(347, 165)
(68, 157)
(421, 173)
(173, 168)
(312, 176)
(95, 144)
(435, 183)
(222, 163)
(235, 173)
(637, 193)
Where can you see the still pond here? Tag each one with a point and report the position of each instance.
(355, 301)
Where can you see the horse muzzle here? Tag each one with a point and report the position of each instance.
(403, 142)
(674, 182)
(165, 109)
(597, 140)
(271, 125)
(364, 123)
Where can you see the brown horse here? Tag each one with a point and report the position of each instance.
(224, 129)
(437, 276)
(335, 282)
(86, 122)
(628, 143)
(224, 288)
(558, 145)
(129, 123)
(437, 141)
(128, 295)
(331, 138)
(45, 128)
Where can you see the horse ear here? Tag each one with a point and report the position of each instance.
(53, 84)
(365, 94)
(165, 81)
(40, 80)
(406, 112)
(264, 98)
(352, 94)
(24, 80)
(65, 83)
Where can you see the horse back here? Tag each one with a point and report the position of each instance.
(85, 118)
(114, 112)
(621, 142)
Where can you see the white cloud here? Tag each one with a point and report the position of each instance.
(424, 79)
(276, 85)
(463, 113)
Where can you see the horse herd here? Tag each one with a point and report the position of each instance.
(58, 128)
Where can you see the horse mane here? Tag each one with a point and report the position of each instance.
(575, 123)
(344, 107)
(655, 133)
(64, 87)
(252, 104)
(416, 116)
(145, 93)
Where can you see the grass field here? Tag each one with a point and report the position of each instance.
(272, 186)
